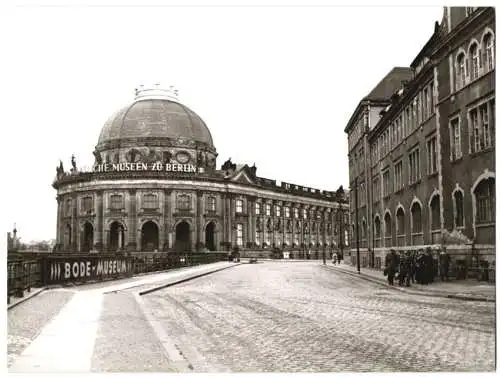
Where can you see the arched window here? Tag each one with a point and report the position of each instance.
(485, 201)
(458, 200)
(489, 52)
(461, 70)
(474, 61)
(400, 222)
(377, 227)
(388, 225)
(416, 218)
(435, 213)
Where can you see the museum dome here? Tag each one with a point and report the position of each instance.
(154, 114)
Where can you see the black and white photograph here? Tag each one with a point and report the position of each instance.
(268, 187)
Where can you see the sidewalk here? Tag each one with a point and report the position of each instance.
(463, 289)
(66, 343)
(14, 301)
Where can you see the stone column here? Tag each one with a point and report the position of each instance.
(251, 225)
(198, 217)
(98, 245)
(132, 243)
(59, 220)
(75, 232)
(168, 216)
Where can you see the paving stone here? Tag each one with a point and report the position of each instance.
(302, 318)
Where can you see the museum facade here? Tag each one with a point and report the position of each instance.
(155, 186)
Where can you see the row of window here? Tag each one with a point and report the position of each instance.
(150, 201)
(419, 110)
(478, 60)
(485, 213)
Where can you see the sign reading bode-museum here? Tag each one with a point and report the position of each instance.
(151, 167)
(78, 269)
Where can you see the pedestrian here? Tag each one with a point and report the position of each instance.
(419, 267)
(429, 266)
(391, 266)
(413, 261)
(444, 264)
(402, 269)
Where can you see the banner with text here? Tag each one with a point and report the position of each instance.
(79, 269)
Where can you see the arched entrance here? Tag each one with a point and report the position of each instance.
(210, 236)
(149, 236)
(116, 236)
(182, 237)
(88, 237)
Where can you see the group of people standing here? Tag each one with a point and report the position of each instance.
(415, 266)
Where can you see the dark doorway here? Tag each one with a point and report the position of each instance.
(149, 237)
(116, 236)
(182, 237)
(210, 236)
(88, 237)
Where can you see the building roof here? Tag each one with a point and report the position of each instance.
(155, 116)
(390, 84)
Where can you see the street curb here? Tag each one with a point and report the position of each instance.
(185, 280)
(414, 292)
(31, 295)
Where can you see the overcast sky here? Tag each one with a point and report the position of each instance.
(276, 86)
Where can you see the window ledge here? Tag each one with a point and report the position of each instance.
(486, 224)
(412, 185)
(430, 175)
(483, 151)
(456, 161)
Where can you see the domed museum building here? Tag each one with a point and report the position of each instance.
(155, 187)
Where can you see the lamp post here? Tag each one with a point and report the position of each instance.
(357, 222)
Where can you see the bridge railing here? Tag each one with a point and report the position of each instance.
(24, 274)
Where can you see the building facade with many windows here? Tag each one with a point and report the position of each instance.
(421, 147)
(155, 187)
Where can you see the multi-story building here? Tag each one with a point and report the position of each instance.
(155, 187)
(421, 148)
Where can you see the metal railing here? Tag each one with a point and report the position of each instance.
(24, 274)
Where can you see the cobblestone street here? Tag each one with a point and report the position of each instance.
(302, 317)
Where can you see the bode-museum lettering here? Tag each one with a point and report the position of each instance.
(134, 167)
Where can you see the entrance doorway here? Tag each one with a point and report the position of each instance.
(182, 237)
(210, 236)
(149, 237)
(88, 237)
(116, 236)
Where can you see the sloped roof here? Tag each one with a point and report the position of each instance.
(390, 84)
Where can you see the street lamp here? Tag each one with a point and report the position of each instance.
(357, 222)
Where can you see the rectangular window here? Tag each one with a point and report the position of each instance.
(257, 208)
(68, 208)
(257, 238)
(455, 139)
(376, 190)
(398, 176)
(87, 204)
(386, 181)
(150, 201)
(239, 234)
(183, 202)
(431, 96)
(268, 209)
(425, 104)
(414, 166)
(116, 202)
(239, 206)
(277, 210)
(296, 212)
(481, 121)
(287, 212)
(211, 203)
(431, 156)
(304, 213)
